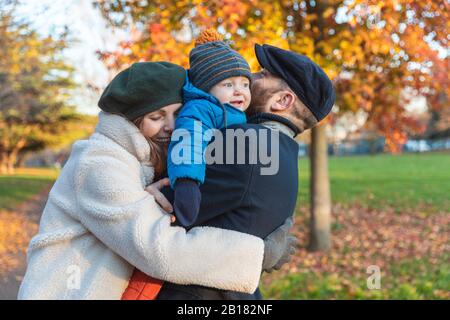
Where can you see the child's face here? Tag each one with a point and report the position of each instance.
(234, 90)
(160, 124)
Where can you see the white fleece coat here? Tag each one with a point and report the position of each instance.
(99, 223)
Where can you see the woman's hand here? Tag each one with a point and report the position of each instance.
(154, 190)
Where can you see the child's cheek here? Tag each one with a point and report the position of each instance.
(249, 95)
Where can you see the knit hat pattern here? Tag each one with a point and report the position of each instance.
(212, 60)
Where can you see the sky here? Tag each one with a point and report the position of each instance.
(89, 32)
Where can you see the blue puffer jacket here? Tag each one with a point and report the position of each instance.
(200, 114)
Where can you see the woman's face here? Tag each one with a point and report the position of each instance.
(159, 125)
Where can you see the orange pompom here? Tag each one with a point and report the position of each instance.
(209, 35)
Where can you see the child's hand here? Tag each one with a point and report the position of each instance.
(154, 190)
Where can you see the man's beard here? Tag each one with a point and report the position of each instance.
(260, 96)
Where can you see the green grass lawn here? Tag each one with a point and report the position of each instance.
(413, 279)
(411, 181)
(22, 185)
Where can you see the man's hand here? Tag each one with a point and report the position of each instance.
(154, 190)
(279, 246)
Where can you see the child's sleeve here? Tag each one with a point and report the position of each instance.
(193, 131)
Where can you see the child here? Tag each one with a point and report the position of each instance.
(215, 95)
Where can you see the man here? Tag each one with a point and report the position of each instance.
(291, 94)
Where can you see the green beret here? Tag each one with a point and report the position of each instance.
(142, 88)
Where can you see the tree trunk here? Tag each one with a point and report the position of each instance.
(320, 236)
(22, 158)
(11, 157)
(3, 165)
(11, 160)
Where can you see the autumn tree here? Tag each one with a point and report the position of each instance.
(379, 54)
(80, 126)
(34, 87)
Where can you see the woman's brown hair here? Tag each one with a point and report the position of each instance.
(158, 152)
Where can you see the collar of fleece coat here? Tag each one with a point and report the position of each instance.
(124, 133)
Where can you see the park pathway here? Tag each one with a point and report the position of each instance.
(16, 229)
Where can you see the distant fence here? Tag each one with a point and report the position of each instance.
(375, 146)
(427, 145)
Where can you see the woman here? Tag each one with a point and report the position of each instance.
(100, 223)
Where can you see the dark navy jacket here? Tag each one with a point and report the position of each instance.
(238, 197)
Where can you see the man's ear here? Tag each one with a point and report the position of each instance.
(283, 102)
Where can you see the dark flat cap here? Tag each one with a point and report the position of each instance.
(143, 88)
(304, 77)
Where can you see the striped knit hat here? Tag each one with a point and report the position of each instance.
(212, 61)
